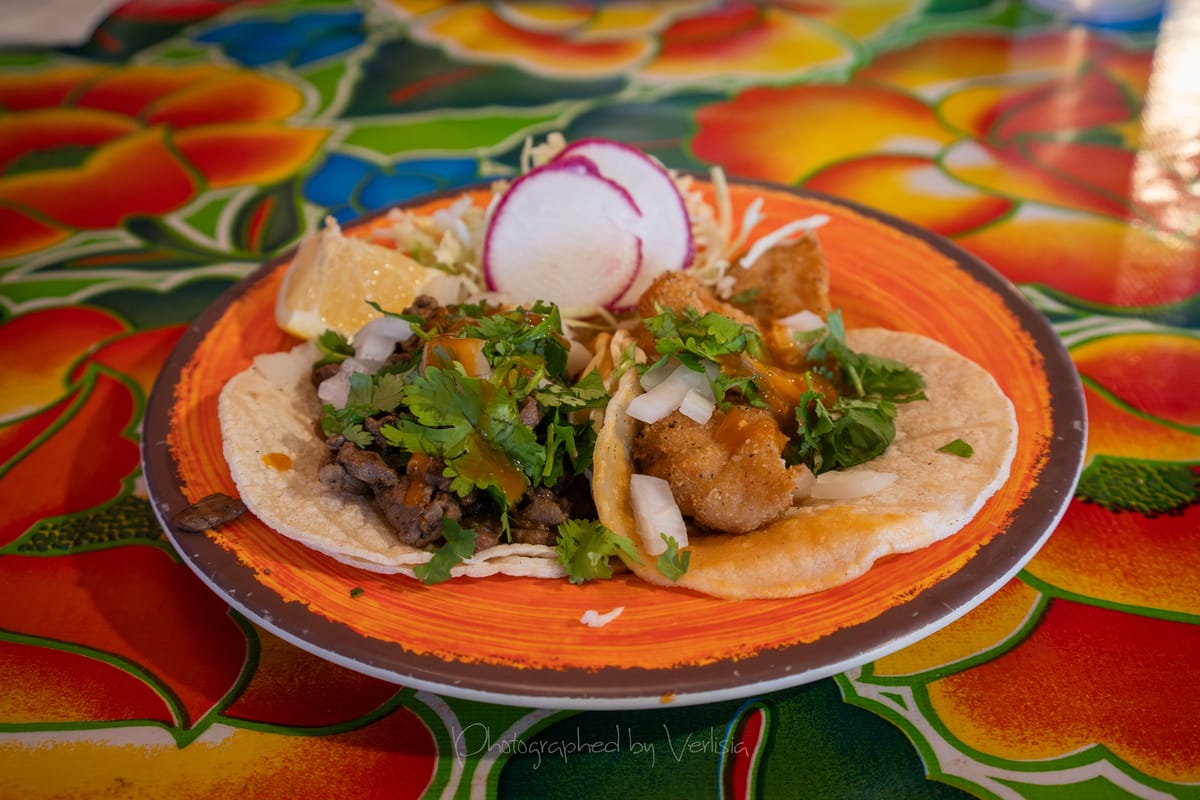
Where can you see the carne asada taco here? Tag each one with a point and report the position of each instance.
(748, 459)
(447, 441)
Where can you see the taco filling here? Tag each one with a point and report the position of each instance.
(453, 441)
(790, 453)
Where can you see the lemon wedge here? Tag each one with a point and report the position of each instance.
(332, 278)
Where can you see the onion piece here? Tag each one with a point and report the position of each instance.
(781, 234)
(594, 619)
(651, 406)
(839, 485)
(335, 390)
(376, 340)
(656, 513)
(802, 321)
(696, 407)
(802, 489)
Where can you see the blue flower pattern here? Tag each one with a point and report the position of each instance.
(296, 41)
(349, 187)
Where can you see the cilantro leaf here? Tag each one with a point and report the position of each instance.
(473, 426)
(460, 544)
(567, 443)
(369, 395)
(863, 374)
(523, 335)
(747, 297)
(850, 432)
(588, 392)
(334, 347)
(694, 338)
(673, 563)
(957, 448)
(585, 547)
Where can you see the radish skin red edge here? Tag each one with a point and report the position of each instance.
(565, 234)
(664, 226)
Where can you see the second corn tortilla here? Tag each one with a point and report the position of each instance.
(820, 544)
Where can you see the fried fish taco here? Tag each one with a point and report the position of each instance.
(778, 462)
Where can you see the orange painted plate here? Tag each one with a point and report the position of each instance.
(520, 640)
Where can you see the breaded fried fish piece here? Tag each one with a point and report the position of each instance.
(727, 474)
(788, 278)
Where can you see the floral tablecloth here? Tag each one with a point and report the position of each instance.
(145, 171)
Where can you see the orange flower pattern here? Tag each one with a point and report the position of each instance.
(133, 189)
(75, 134)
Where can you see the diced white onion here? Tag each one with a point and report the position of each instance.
(376, 340)
(594, 619)
(802, 321)
(656, 375)
(696, 407)
(782, 234)
(803, 486)
(335, 390)
(656, 513)
(666, 397)
(849, 485)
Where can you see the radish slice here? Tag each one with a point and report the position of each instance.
(564, 234)
(656, 513)
(664, 228)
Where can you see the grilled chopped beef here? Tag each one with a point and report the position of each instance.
(334, 475)
(209, 512)
(323, 372)
(415, 509)
(367, 466)
(530, 412)
(423, 306)
(414, 494)
(372, 426)
(541, 508)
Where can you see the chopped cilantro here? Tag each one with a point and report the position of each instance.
(519, 333)
(861, 423)
(473, 423)
(957, 448)
(850, 432)
(673, 563)
(357, 591)
(585, 547)
(863, 374)
(369, 395)
(460, 544)
(694, 338)
(474, 427)
(588, 392)
(700, 340)
(747, 297)
(335, 347)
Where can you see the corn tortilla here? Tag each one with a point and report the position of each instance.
(819, 544)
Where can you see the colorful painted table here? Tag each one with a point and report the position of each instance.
(147, 170)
